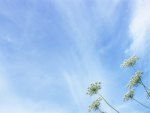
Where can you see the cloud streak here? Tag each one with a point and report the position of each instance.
(140, 27)
(58, 55)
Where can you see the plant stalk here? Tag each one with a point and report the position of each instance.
(146, 89)
(109, 104)
(141, 103)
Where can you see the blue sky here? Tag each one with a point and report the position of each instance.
(51, 50)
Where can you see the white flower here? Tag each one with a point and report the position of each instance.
(95, 105)
(129, 95)
(135, 80)
(94, 88)
(129, 62)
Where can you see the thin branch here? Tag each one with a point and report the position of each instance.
(109, 104)
(141, 103)
(146, 89)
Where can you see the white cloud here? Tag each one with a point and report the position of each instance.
(82, 28)
(140, 27)
(83, 18)
(75, 89)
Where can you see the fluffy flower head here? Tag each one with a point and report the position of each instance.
(129, 95)
(95, 105)
(135, 80)
(129, 62)
(94, 88)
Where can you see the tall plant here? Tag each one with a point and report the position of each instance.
(93, 89)
(135, 81)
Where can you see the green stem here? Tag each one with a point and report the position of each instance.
(109, 104)
(141, 104)
(146, 89)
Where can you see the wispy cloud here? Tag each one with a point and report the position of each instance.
(82, 20)
(140, 27)
(61, 73)
(139, 30)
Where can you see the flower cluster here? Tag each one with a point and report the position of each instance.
(95, 105)
(129, 95)
(135, 80)
(129, 62)
(94, 88)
